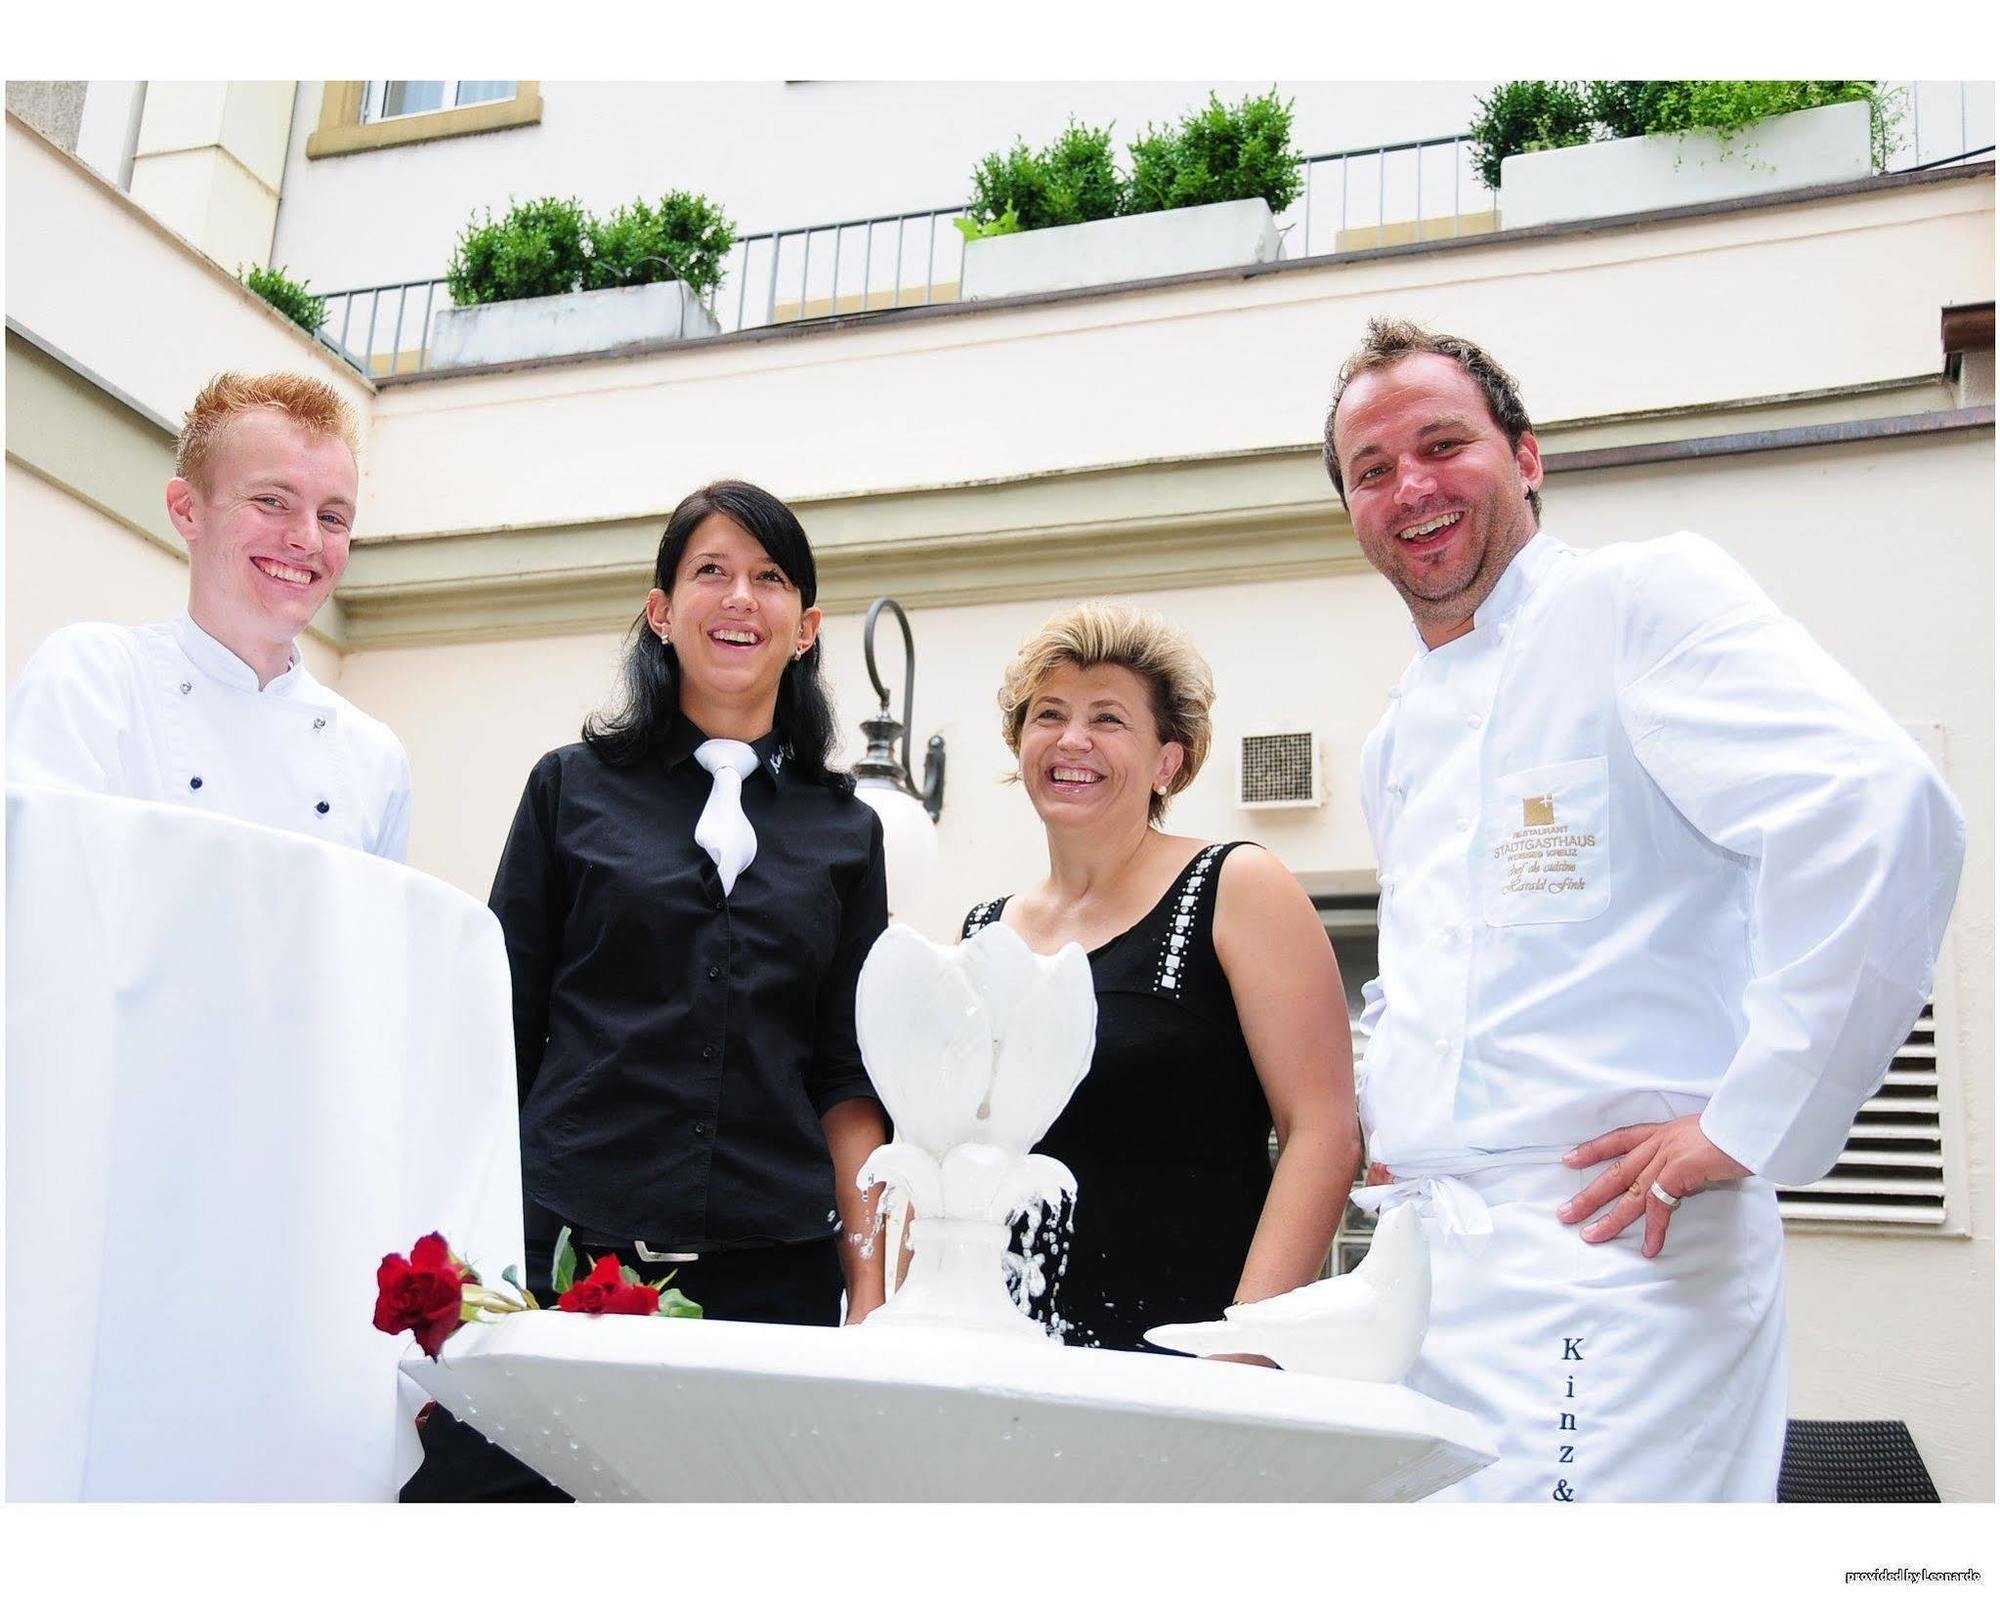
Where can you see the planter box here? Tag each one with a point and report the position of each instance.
(567, 324)
(1828, 144)
(1159, 244)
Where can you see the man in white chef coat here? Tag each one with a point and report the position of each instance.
(215, 710)
(1661, 892)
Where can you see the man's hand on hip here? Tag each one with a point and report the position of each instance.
(1652, 1158)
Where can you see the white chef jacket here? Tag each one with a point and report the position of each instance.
(165, 712)
(1646, 851)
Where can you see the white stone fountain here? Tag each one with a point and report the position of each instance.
(975, 1050)
(949, 1392)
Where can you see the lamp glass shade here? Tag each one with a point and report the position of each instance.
(909, 843)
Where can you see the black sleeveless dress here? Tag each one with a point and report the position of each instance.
(1168, 1134)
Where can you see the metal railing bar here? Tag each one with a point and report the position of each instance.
(396, 344)
(805, 269)
(424, 344)
(1388, 149)
(896, 295)
(867, 262)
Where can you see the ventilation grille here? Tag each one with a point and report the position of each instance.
(1278, 769)
(1892, 1168)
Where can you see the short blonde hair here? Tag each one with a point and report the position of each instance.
(1098, 633)
(314, 405)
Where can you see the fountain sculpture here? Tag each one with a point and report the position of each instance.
(949, 1391)
(974, 1049)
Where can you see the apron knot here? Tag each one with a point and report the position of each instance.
(1447, 1207)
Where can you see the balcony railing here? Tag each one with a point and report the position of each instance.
(1350, 200)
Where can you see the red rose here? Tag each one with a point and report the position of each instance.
(606, 1293)
(422, 1294)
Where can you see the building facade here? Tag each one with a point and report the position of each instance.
(1801, 376)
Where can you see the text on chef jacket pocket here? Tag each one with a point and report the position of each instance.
(1545, 846)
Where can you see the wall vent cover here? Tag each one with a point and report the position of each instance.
(1278, 770)
(1892, 1168)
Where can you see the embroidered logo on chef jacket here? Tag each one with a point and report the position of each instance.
(1547, 849)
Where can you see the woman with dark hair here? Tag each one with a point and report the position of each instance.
(687, 896)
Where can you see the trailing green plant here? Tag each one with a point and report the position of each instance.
(1530, 114)
(684, 237)
(1726, 106)
(539, 247)
(1008, 221)
(1534, 114)
(1218, 153)
(1072, 179)
(295, 300)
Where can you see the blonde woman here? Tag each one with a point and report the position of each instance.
(1220, 1008)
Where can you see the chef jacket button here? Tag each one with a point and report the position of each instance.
(1444, 1045)
(1474, 720)
(194, 782)
(701, 1129)
(1463, 823)
(1396, 693)
(187, 688)
(318, 723)
(708, 1052)
(322, 807)
(714, 972)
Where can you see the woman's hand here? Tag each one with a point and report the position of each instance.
(855, 1129)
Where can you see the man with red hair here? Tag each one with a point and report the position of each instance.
(215, 709)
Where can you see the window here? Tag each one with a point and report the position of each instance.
(357, 115)
(406, 97)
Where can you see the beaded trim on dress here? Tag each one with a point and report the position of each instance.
(1185, 896)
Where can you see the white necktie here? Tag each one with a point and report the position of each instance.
(724, 831)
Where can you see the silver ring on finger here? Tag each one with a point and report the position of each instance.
(1671, 1201)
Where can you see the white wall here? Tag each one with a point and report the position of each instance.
(93, 275)
(775, 155)
(1716, 309)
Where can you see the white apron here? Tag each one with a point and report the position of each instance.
(1605, 1376)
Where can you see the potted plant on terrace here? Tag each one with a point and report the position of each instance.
(1200, 195)
(550, 279)
(1559, 151)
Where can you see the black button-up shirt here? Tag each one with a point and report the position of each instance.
(676, 1048)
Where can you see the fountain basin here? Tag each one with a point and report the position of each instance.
(646, 1408)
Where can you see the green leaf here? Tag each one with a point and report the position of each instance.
(563, 1276)
(675, 1303)
(628, 1274)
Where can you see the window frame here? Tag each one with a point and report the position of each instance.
(342, 130)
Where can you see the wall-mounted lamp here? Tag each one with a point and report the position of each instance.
(883, 778)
